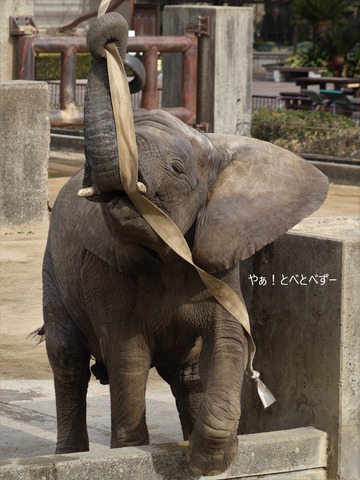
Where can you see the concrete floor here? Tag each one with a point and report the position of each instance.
(28, 424)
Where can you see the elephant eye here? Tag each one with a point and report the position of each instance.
(177, 168)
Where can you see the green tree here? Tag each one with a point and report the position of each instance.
(343, 39)
(321, 14)
(335, 28)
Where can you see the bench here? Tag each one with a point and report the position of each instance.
(296, 100)
(284, 72)
(339, 102)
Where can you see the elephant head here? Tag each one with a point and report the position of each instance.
(230, 195)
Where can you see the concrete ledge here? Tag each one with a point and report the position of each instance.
(339, 173)
(314, 474)
(68, 143)
(298, 451)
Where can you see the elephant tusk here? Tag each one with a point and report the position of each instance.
(141, 188)
(86, 192)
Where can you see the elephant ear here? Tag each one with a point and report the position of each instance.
(261, 193)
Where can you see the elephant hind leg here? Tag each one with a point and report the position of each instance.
(187, 389)
(70, 364)
(69, 361)
(71, 413)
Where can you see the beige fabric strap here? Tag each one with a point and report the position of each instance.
(104, 5)
(156, 218)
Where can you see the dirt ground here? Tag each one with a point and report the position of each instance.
(21, 252)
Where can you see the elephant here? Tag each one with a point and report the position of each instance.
(113, 291)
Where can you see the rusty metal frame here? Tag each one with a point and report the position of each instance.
(201, 28)
(150, 46)
(22, 25)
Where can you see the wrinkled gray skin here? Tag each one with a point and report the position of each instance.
(114, 290)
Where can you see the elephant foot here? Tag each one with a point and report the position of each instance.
(126, 437)
(208, 461)
(80, 445)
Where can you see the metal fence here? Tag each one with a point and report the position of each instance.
(262, 101)
(71, 93)
(300, 102)
(294, 102)
(54, 90)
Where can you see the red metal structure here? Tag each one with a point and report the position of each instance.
(150, 46)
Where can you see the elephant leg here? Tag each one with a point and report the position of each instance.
(186, 387)
(70, 392)
(128, 372)
(213, 443)
(70, 364)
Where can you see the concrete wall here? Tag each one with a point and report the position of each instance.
(340, 173)
(298, 454)
(24, 152)
(8, 44)
(225, 59)
(307, 336)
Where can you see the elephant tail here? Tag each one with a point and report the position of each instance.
(39, 332)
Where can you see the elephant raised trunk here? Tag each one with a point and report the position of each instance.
(102, 164)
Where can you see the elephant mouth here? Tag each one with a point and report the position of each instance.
(106, 197)
(152, 253)
(121, 209)
(126, 223)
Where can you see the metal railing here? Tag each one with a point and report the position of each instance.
(54, 90)
(269, 102)
(263, 101)
(149, 46)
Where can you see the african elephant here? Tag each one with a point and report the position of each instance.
(114, 291)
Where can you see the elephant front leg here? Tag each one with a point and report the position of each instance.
(128, 373)
(186, 387)
(213, 443)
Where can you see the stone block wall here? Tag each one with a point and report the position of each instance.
(24, 152)
(225, 66)
(8, 44)
(305, 307)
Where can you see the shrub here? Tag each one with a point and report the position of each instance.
(48, 66)
(352, 67)
(311, 57)
(307, 131)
